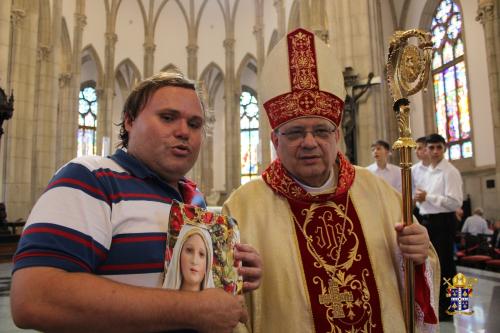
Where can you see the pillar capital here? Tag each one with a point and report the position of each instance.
(111, 37)
(43, 52)
(17, 16)
(485, 11)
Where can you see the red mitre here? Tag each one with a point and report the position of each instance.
(302, 78)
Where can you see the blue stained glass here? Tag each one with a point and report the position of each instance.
(440, 104)
(438, 34)
(463, 101)
(83, 106)
(467, 149)
(245, 98)
(459, 48)
(89, 94)
(87, 121)
(443, 11)
(454, 26)
(93, 107)
(436, 60)
(447, 53)
(244, 122)
(249, 136)
(451, 104)
(455, 152)
(252, 110)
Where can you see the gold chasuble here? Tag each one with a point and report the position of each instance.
(337, 269)
(331, 261)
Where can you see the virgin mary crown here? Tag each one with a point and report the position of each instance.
(302, 77)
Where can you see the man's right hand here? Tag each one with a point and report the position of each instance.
(220, 311)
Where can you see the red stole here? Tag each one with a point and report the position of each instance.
(337, 269)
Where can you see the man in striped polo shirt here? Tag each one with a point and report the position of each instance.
(91, 256)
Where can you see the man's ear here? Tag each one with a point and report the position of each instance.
(274, 139)
(128, 122)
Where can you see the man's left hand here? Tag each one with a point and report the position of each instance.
(251, 269)
(413, 241)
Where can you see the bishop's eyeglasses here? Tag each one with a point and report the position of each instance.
(296, 134)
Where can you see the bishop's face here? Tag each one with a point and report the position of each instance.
(193, 263)
(307, 148)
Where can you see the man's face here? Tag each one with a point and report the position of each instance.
(380, 154)
(309, 159)
(436, 151)
(422, 151)
(167, 133)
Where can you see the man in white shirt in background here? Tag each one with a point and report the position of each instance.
(476, 224)
(418, 171)
(382, 168)
(439, 195)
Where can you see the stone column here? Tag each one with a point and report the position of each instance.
(318, 20)
(18, 138)
(233, 159)
(281, 13)
(488, 15)
(69, 85)
(105, 105)
(149, 56)
(192, 60)
(264, 127)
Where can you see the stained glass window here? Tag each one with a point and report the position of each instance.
(249, 127)
(87, 121)
(451, 98)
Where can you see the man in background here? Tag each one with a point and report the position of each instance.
(91, 257)
(476, 224)
(381, 150)
(418, 171)
(439, 196)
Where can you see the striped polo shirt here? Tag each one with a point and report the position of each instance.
(106, 216)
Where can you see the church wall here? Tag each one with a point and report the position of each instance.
(68, 11)
(93, 33)
(130, 31)
(245, 39)
(211, 36)
(171, 39)
(479, 93)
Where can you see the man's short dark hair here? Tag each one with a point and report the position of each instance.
(382, 143)
(422, 139)
(435, 138)
(141, 94)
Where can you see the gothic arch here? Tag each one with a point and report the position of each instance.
(294, 17)
(65, 47)
(90, 54)
(171, 68)
(212, 78)
(249, 62)
(127, 75)
(273, 41)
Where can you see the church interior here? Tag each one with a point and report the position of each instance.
(69, 65)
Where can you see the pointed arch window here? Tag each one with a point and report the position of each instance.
(87, 120)
(451, 97)
(249, 134)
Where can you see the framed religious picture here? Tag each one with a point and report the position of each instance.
(200, 250)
